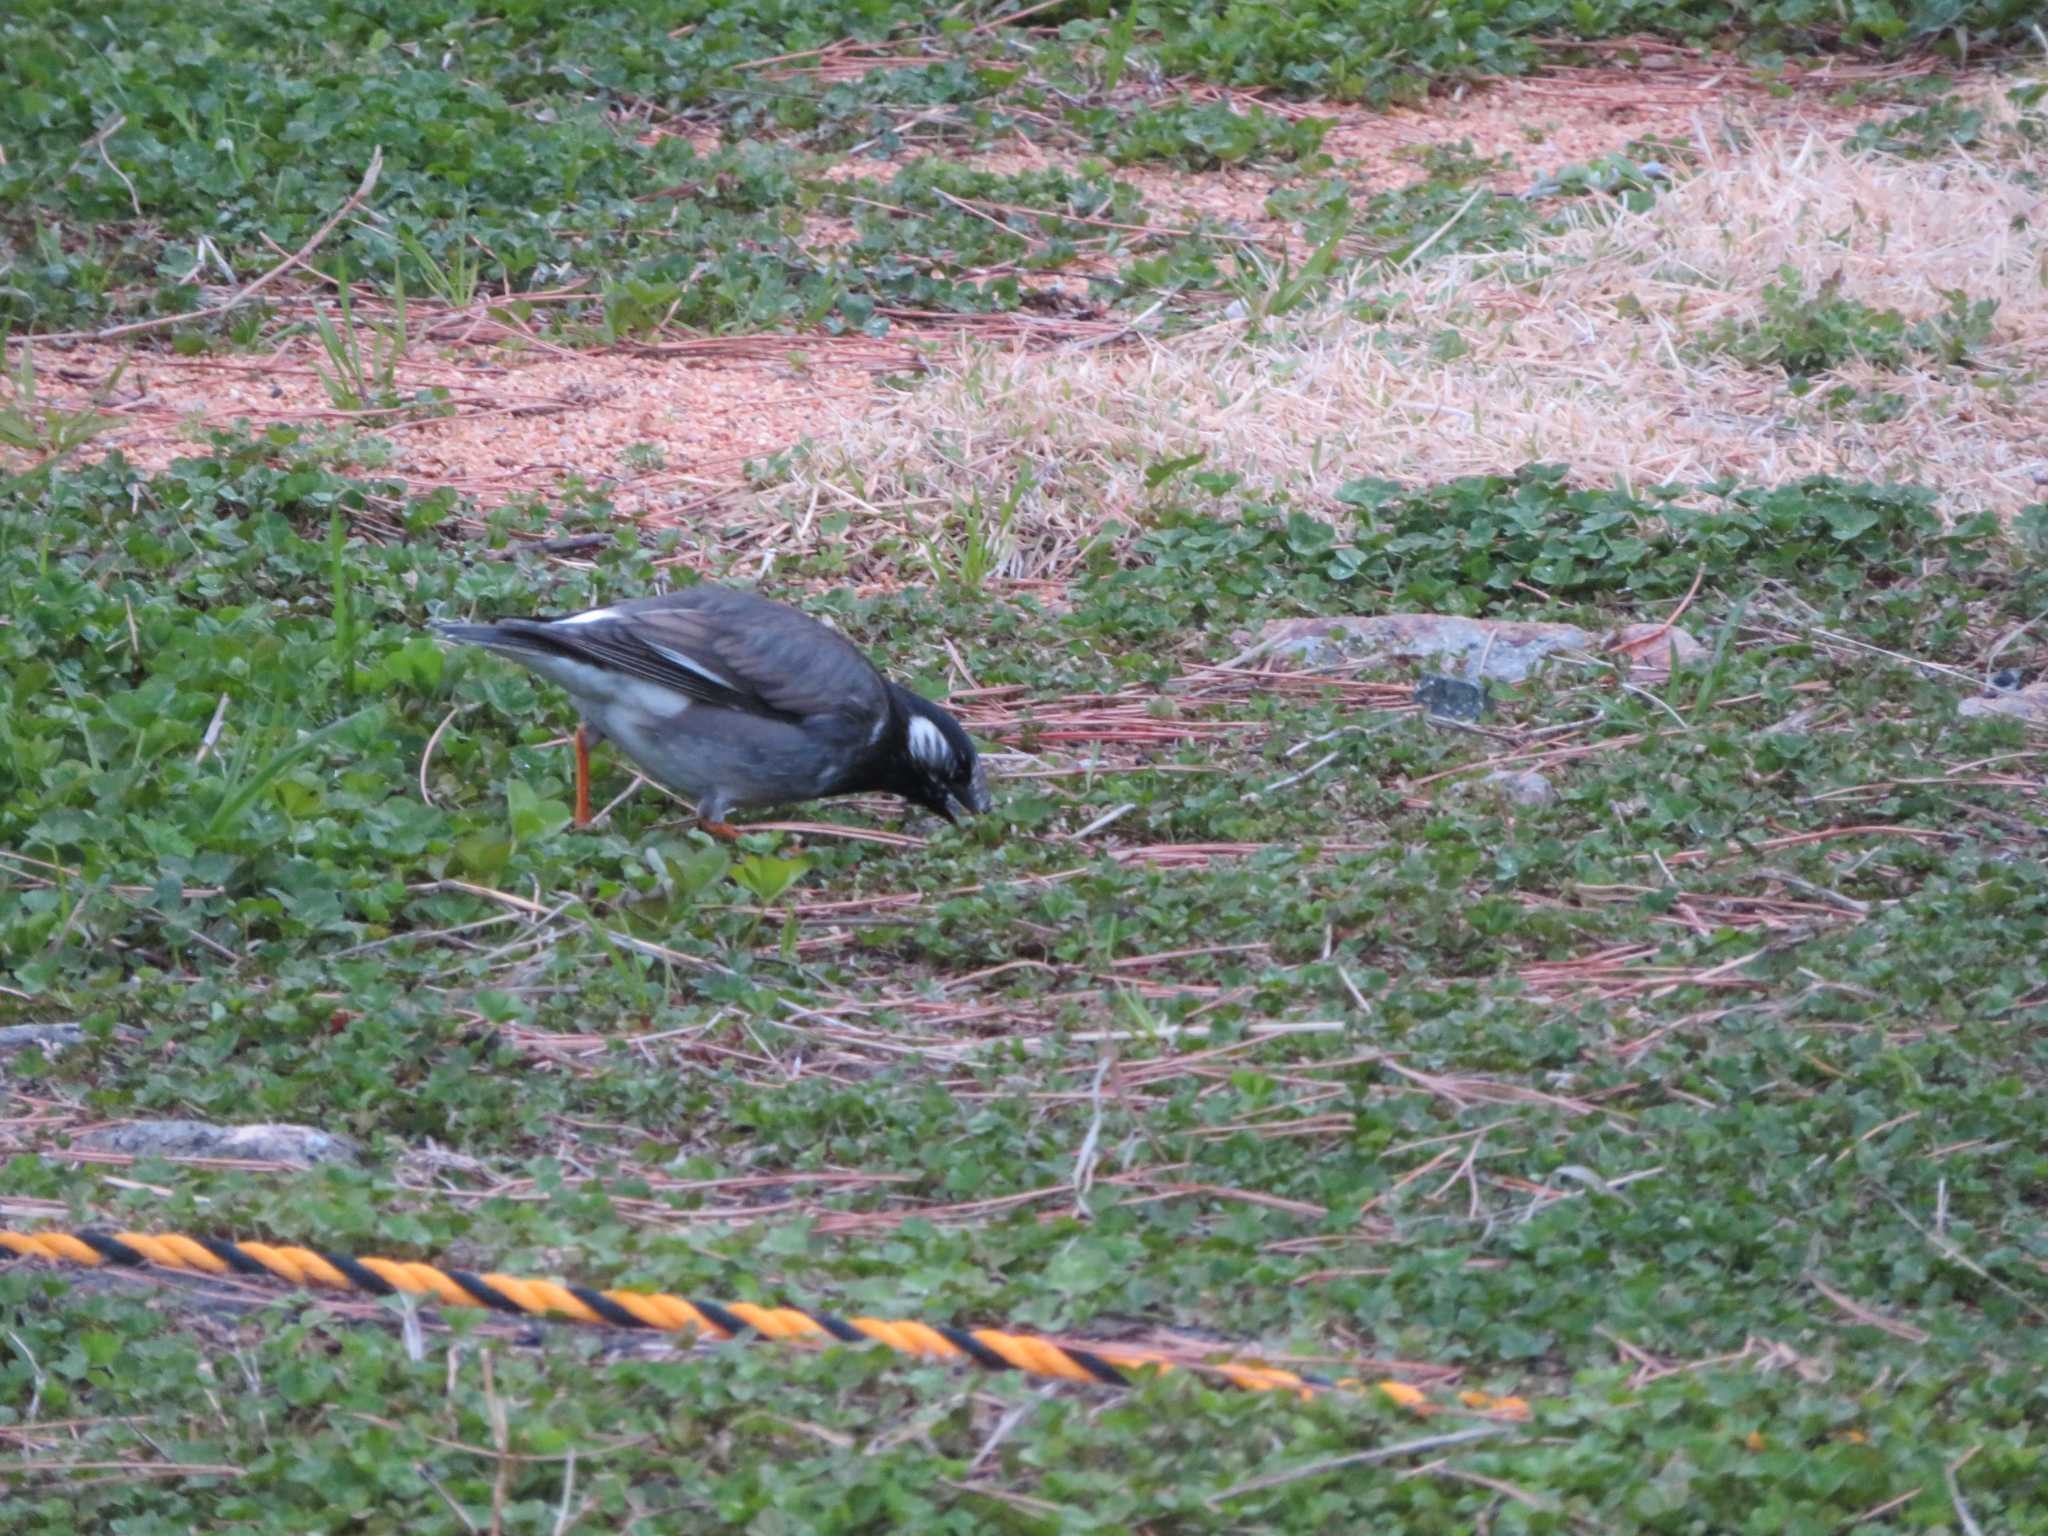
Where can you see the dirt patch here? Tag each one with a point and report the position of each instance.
(1540, 126)
(656, 432)
(664, 429)
(1591, 348)
(1575, 117)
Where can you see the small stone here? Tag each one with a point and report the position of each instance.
(195, 1138)
(2029, 703)
(1798, 723)
(1450, 698)
(1499, 650)
(51, 1037)
(1521, 786)
(1655, 647)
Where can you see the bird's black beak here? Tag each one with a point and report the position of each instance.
(950, 800)
(976, 798)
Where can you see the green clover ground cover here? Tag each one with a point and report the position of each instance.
(1760, 1233)
(1673, 1104)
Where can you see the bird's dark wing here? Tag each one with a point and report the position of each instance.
(728, 649)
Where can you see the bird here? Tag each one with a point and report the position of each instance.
(738, 702)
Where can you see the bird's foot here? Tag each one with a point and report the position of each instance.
(720, 829)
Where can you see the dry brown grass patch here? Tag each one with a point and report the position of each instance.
(1558, 363)
(1586, 350)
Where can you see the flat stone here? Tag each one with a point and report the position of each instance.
(1501, 650)
(2029, 703)
(51, 1037)
(196, 1138)
(1521, 786)
(1798, 723)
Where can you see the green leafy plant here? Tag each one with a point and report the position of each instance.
(1958, 332)
(1202, 135)
(344, 611)
(1117, 47)
(361, 371)
(531, 817)
(1805, 334)
(644, 458)
(766, 876)
(1633, 182)
(1936, 129)
(44, 432)
(1384, 1047)
(1473, 545)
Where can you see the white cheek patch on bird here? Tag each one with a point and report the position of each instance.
(928, 744)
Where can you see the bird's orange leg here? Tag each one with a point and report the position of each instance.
(723, 829)
(582, 777)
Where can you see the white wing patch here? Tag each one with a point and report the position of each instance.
(590, 616)
(598, 690)
(649, 698)
(928, 743)
(689, 664)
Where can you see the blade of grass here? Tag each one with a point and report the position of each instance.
(241, 799)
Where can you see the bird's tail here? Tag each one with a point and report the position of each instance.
(513, 637)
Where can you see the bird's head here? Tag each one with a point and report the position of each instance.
(938, 767)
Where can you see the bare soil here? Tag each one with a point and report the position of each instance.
(666, 430)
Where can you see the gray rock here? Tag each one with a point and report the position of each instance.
(195, 1138)
(51, 1037)
(2029, 704)
(1798, 723)
(1500, 650)
(1521, 786)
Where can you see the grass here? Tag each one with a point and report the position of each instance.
(1586, 341)
(361, 368)
(38, 431)
(1621, 1035)
(1382, 49)
(1695, 1102)
(153, 150)
(1205, 136)
(1808, 334)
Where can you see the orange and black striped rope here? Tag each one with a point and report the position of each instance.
(988, 1347)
